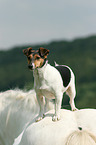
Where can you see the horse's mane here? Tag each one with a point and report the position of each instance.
(81, 138)
(19, 103)
(21, 99)
(18, 98)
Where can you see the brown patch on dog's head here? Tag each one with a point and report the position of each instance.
(36, 58)
(43, 52)
(28, 51)
(38, 61)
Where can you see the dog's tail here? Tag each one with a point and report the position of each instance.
(56, 63)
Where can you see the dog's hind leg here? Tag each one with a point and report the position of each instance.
(71, 92)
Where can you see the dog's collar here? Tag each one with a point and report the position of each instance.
(44, 63)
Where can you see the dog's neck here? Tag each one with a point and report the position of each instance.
(38, 73)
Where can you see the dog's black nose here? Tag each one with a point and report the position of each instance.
(30, 67)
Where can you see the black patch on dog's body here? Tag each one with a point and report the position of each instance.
(65, 74)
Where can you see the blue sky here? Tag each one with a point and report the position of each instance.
(35, 21)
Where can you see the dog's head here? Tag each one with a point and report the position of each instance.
(36, 58)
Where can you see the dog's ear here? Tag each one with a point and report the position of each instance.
(25, 51)
(28, 51)
(43, 52)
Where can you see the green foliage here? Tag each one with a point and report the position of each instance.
(79, 54)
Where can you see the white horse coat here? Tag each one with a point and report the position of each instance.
(47, 132)
(17, 109)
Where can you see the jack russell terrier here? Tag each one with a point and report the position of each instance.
(50, 82)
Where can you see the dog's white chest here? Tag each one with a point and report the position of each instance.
(38, 79)
(47, 93)
(42, 86)
(47, 81)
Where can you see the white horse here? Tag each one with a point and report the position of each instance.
(74, 128)
(17, 109)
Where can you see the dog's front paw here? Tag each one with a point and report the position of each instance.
(55, 118)
(39, 118)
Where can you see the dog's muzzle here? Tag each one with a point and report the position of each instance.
(31, 67)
